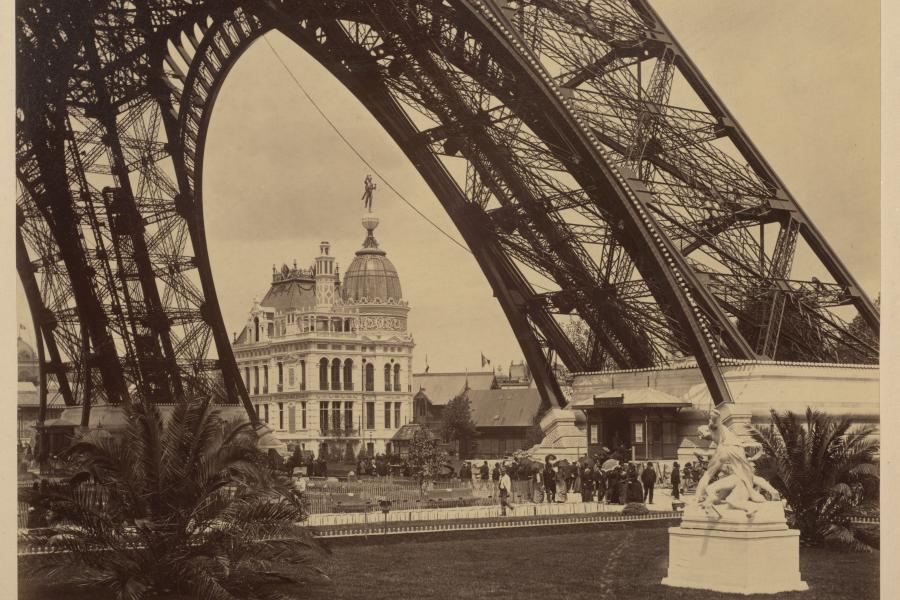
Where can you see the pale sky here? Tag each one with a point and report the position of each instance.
(802, 77)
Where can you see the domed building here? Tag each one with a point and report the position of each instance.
(327, 360)
(28, 361)
(27, 393)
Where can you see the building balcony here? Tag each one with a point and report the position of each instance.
(340, 433)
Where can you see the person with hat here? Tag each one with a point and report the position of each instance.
(587, 484)
(676, 481)
(648, 478)
(504, 484)
(549, 479)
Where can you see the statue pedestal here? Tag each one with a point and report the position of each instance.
(732, 553)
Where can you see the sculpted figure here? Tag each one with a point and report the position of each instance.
(729, 451)
(369, 193)
(730, 490)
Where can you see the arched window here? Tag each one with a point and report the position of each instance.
(387, 377)
(323, 374)
(348, 374)
(370, 377)
(336, 374)
(396, 377)
(256, 329)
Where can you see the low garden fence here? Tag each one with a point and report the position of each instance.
(333, 496)
(359, 496)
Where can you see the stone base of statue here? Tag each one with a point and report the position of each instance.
(725, 551)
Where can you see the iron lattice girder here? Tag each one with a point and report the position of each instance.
(557, 238)
(777, 200)
(564, 198)
(509, 287)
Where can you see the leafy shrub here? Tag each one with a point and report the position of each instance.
(188, 506)
(827, 471)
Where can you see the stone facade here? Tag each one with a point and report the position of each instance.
(756, 388)
(328, 365)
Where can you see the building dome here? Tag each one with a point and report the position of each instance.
(28, 361)
(371, 275)
(25, 352)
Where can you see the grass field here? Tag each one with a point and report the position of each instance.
(575, 563)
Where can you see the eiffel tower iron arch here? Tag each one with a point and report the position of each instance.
(576, 192)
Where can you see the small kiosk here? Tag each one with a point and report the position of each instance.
(643, 419)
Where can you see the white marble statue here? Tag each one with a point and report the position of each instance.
(730, 491)
(740, 485)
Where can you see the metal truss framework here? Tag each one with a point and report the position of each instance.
(593, 172)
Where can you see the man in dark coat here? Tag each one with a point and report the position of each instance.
(600, 484)
(676, 481)
(549, 481)
(484, 473)
(648, 478)
(587, 484)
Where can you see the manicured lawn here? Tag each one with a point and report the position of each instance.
(593, 562)
(621, 564)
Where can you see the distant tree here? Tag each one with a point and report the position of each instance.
(425, 458)
(349, 455)
(457, 424)
(827, 470)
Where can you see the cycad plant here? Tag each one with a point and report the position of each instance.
(827, 470)
(185, 507)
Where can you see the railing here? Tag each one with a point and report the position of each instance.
(405, 493)
(339, 432)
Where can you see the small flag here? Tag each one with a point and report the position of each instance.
(484, 361)
(426, 363)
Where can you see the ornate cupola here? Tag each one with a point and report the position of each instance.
(371, 276)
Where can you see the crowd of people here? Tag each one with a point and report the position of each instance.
(383, 465)
(314, 467)
(684, 479)
(620, 482)
(623, 483)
